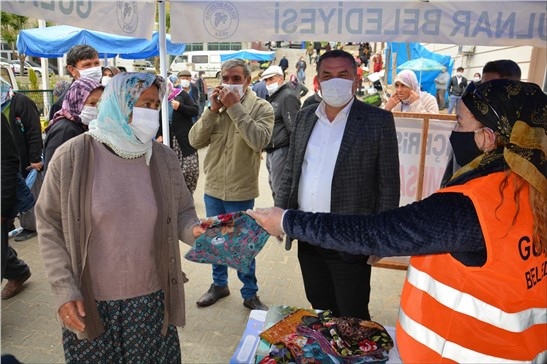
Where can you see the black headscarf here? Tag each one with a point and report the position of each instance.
(517, 112)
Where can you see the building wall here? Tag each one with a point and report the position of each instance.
(532, 61)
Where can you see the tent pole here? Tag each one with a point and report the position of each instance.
(162, 38)
(45, 74)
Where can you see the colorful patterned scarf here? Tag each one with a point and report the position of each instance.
(517, 112)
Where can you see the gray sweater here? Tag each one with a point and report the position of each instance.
(64, 226)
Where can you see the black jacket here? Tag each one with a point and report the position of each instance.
(26, 129)
(59, 133)
(366, 174)
(10, 168)
(284, 63)
(182, 121)
(286, 106)
(455, 88)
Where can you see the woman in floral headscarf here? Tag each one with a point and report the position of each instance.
(78, 109)
(408, 97)
(476, 286)
(112, 209)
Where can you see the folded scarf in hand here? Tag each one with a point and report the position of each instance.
(232, 239)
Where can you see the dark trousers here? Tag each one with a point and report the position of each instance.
(12, 267)
(334, 284)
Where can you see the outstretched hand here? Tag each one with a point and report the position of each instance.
(270, 219)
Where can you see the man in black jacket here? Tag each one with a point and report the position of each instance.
(24, 119)
(456, 86)
(286, 106)
(343, 158)
(14, 269)
(284, 64)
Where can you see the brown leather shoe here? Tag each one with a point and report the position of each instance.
(14, 286)
(213, 294)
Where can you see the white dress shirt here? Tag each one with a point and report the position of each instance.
(314, 189)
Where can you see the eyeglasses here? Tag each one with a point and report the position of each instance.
(479, 96)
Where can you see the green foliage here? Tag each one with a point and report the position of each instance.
(33, 79)
(11, 25)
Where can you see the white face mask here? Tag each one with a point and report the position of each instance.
(145, 123)
(337, 91)
(88, 113)
(185, 83)
(272, 88)
(237, 89)
(105, 80)
(459, 74)
(476, 79)
(93, 73)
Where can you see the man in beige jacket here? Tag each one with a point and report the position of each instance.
(236, 128)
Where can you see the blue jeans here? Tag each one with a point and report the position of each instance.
(213, 207)
(453, 103)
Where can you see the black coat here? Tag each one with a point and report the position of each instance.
(286, 106)
(182, 121)
(10, 168)
(455, 88)
(366, 174)
(59, 133)
(284, 63)
(26, 129)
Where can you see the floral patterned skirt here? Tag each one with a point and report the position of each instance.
(189, 165)
(132, 334)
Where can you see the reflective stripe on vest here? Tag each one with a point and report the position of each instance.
(493, 313)
(451, 350)
(471, 306)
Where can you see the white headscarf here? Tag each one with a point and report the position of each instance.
(409, 79)
(115, 108)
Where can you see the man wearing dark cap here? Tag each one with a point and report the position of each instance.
(185, 81)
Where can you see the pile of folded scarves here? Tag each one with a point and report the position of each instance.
(307, 337)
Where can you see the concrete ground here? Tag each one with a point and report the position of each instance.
(31, 331)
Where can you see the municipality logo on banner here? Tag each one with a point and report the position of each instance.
(128, 15)
(221, 19)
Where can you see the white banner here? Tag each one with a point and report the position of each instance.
(437, 151)
(123, 17)
(501, 22)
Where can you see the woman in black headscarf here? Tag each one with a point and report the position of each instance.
(476, 288)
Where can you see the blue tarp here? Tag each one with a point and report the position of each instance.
(416, 51)
(249, 54)
(51, 42)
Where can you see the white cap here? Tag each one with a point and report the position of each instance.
(271, 71)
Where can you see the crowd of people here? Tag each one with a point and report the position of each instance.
(333, 167)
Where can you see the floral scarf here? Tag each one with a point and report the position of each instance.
(517, 112)
(111, 126)
(74, 101)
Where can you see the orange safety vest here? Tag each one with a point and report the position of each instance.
(494, 313)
